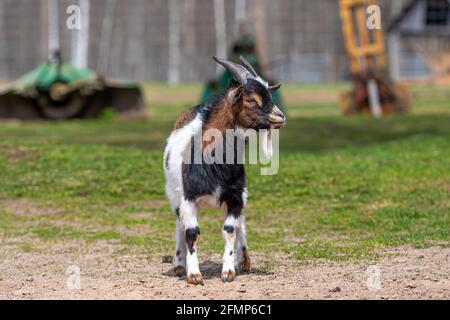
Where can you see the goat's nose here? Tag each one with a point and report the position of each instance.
(278, 113)
(277, 117)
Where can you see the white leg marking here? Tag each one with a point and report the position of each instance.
(188, 210)
(229, 237)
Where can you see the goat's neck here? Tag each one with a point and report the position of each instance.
(223, 117)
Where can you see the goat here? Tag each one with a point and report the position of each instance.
(246, 104)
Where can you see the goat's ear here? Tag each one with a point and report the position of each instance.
(274, 88)
(234, 95)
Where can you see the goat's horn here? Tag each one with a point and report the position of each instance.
(275, 87)
(239, 73)
(252, 72)
(248, 66)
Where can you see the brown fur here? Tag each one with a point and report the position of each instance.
(244, 265)
(194, 243)
(195, 279)
(222, 118)
(228, 276)
(257, 98)
(247, 115)
(184, 118)
(178, 271)
(241, 112)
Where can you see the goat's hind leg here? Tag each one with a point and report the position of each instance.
(241, 246)
(188, 214)
(179, 263)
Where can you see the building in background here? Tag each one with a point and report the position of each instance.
(160, 40)
(422, 32)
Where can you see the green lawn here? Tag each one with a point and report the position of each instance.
(346, 185)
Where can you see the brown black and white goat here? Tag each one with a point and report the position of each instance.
(246, 104)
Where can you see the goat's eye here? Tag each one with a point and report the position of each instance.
(253, 103)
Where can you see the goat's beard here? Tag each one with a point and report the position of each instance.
(266, 143)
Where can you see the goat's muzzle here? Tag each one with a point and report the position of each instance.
(277, 118)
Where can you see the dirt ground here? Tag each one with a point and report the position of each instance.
(108, 272)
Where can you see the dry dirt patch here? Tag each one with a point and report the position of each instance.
(13, 152)
(26, 208)
(109, 271)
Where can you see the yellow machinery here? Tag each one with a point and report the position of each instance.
(373, 91)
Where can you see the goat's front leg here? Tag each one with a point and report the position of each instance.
(229, 237)
(188, 214)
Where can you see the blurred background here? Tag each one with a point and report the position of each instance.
(173, 41)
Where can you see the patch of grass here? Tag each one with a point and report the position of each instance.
(26, 247)
(346, 185)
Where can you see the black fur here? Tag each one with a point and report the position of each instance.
(255, 86)
(229, 229)
(204, 179)
(191, 236)
(205, 110)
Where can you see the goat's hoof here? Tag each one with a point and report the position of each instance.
(195, 278)
(228, 276)
(244, 265)
(178, 271)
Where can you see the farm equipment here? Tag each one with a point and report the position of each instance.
(244, 46)
(373, 90)
(58, 91)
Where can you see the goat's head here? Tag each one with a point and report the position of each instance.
(251, 97)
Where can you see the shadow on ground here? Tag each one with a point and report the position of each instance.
(212, 269)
